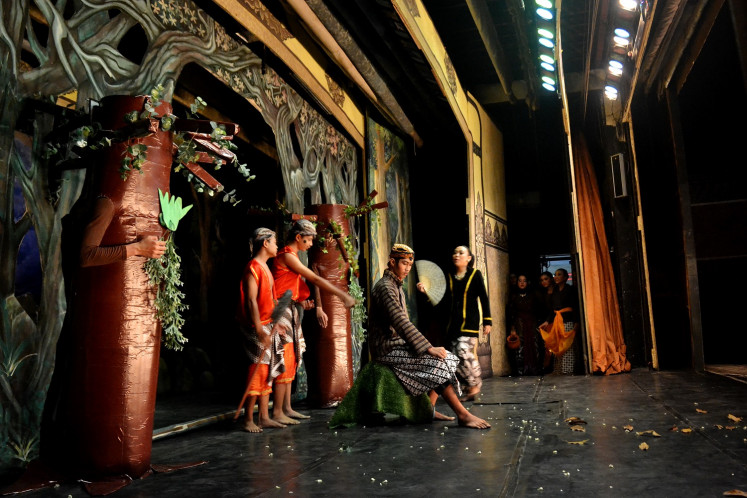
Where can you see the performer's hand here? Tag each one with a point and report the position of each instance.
(265, 339)
(349, 301)
(279, 329)
(421, 287)
(321, 316)
(437, 352)
(486, 329)
(150, 247)
(308, 304)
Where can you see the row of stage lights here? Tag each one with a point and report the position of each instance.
(545, 23)
(621, 44)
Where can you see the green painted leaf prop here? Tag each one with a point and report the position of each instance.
(171, 210)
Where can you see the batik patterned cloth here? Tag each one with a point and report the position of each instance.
(468, 371)
(397, 343)
(423, 373)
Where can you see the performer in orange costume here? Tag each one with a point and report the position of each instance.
(289, 274)
(265, 346)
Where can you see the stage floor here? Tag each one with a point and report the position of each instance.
(530, 451)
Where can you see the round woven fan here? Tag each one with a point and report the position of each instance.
(432, 278)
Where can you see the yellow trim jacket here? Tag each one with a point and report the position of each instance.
(461, 304)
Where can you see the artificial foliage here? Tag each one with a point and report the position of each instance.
(165, 272)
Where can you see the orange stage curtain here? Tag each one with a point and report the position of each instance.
(600, 294)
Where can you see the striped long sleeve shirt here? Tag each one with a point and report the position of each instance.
(389, 324)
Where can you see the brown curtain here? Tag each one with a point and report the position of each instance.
(600, 294)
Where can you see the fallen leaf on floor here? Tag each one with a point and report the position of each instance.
(643, 446)
(674, 428)
(730, 427)
(648, 433)
(735, 418)
(580, 443)
(686, 430)
(719, 426)
(574, 421)
(579, 428)
(735, 492)
(628, 428)
(701, 411)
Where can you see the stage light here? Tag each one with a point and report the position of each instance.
(546, 43)
(610, 92)
(545, 14)
(629, 5)
(615, 71)
(547, 66)
(545, 33)
(548, 86)
(548, 80)
(620, 41)
(547, 58)
(622, 33)
(544, 3)
(616, 64)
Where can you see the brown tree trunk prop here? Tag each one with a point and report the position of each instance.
(109, 417)
(334, 358)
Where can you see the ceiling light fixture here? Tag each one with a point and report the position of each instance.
(610, 92)
(547, 58)
(620, 41)
(544, 3)
(545, 14)
(622, 33)
(547, 43)
(545, 33)
(629, 5)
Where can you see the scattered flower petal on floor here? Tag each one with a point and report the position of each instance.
(735, 418)
(648, 433)
(701, 411)
(643, 446)
(628, 428)
(574, 420)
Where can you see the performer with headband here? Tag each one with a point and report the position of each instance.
(264, 345)
(289, 274)
(394, 341)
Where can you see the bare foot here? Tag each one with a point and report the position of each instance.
(473, 422)
(250, 426)
(440, 416)
(268, 423)
(283, 419)
(294, 414)
(470, 395)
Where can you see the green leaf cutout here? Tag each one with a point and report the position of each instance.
(171, 210)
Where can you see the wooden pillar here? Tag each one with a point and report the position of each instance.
(688, 235)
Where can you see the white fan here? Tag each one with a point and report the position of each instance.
(433, 280)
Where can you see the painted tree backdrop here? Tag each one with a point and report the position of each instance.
(78, 51)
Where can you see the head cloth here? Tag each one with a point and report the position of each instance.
(400, 251)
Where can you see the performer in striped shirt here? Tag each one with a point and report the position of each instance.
(394, 341)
